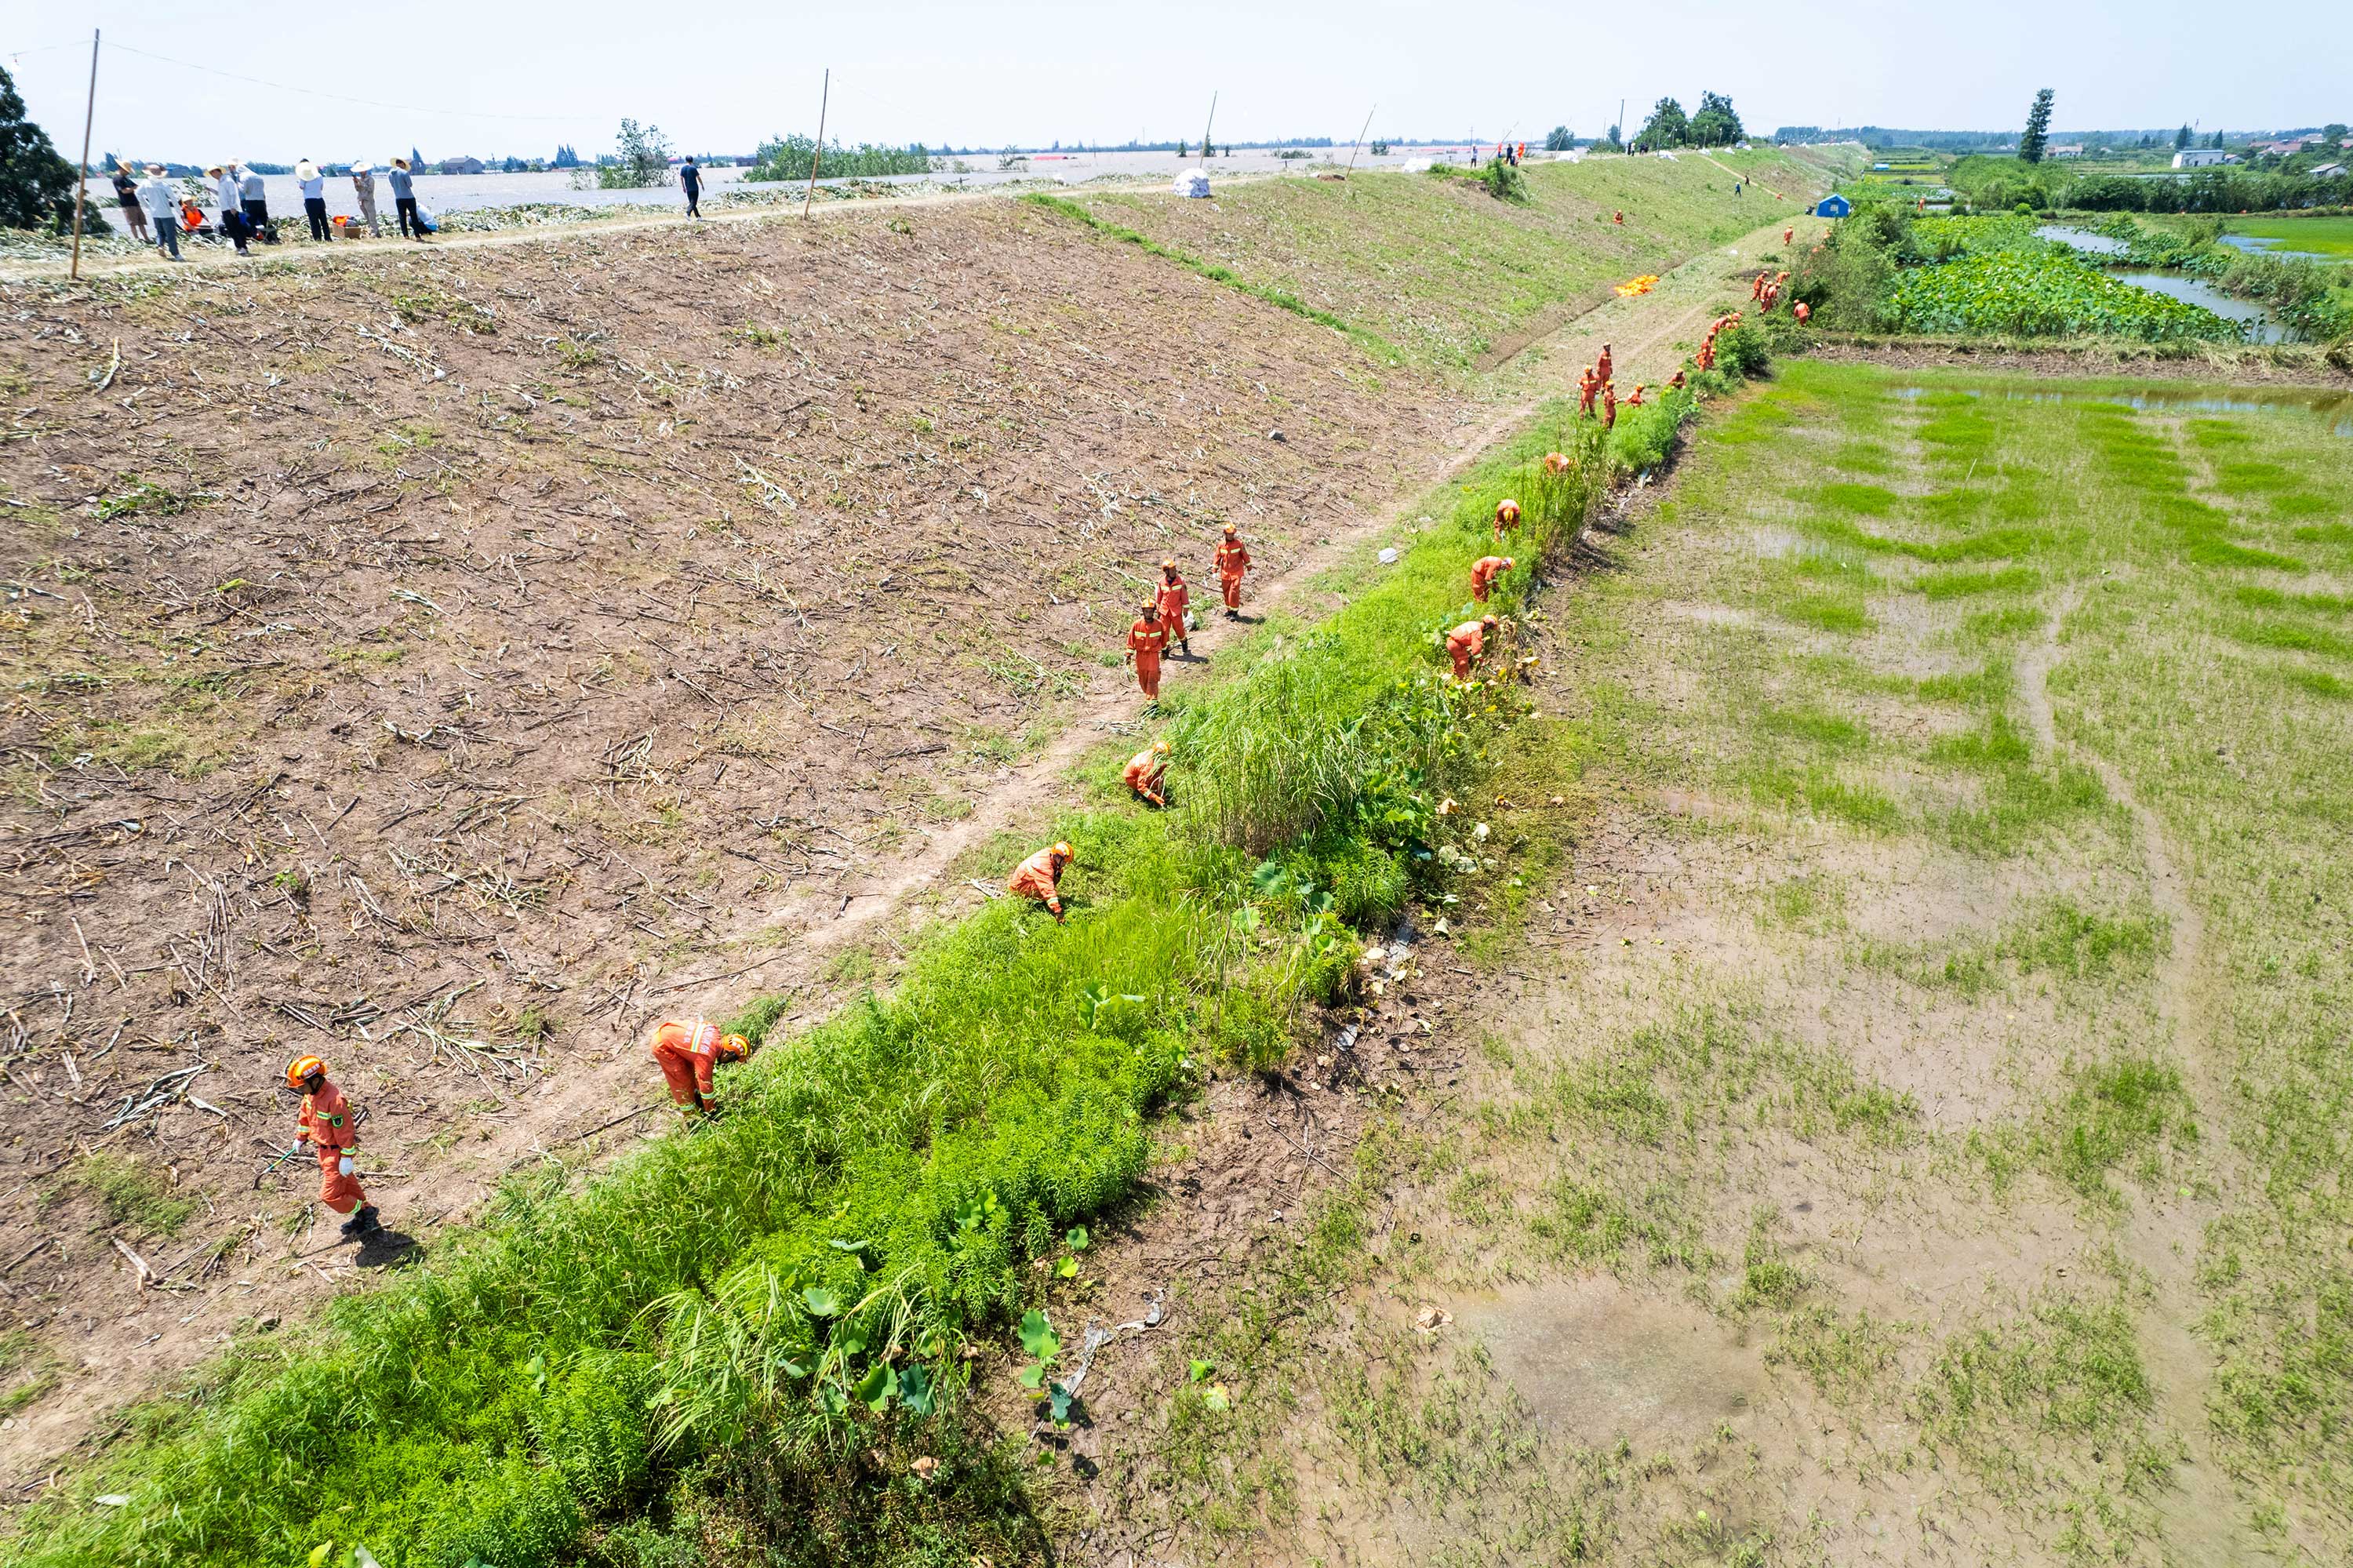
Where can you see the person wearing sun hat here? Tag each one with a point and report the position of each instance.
(364, 187)
(162, 204)
(314, 197)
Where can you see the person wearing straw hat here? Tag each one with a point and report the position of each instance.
(126, 193)
(227, 191)
(255, 203)
(162, 204)
(364, 187)
(314, 197)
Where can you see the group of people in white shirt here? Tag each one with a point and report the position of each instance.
(156, 203)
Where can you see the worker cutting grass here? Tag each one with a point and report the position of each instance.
(689, 1055)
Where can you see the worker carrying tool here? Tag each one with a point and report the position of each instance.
(1147, 773)
(1041, 877)
(1233, 560)
(1146, 640)
(1174, 599)
(689, 1053)
(1483, 573)
(331, 1126)
(1507, 519)
(1467, 642)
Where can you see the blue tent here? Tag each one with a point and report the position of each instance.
(1833, 206)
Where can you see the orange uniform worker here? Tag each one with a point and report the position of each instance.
(1041, 877)
(1636, 400)
(1558, 463)
(1146, 639)
(1601, 367)
(1803, 312)
(1587, 386)
(331, 1126)
(1507, 519)
(689, 1053)
(1788, 234)
(1467, 642)
(1173, 597)
(1610, 407)
(1147, 773)
(1232, 562)
(1618, 219)
(1756, 287)
(1676, 380)
(1483, 573)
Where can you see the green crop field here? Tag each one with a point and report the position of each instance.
(1916, 1105)
(1447, 274)
(2331, 237)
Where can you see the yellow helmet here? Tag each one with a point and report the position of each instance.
(302, 1067)
(1062, 851)
(1509, 511)
(733, 1048)
(1161, 746)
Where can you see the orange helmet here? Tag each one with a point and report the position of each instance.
(1062, 851)
(302, 1067)
(1557, 462)
(1151, 608)
(1168, 563)
(1507, 511)
(733, 1047)
(1229, 527)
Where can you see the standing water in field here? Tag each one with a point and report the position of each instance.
(2258, 323)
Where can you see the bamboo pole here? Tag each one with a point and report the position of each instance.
(824, 97)
(1207, 129)
(81, 175)
(1367, 125)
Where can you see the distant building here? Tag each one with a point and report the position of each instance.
(2068, 150)
(2326, 171)
(462, 165)
(2200, 157)
(1833, 206)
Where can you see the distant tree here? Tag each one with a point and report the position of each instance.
(2182, 139)
(1615, 144)
(1716, 124)
(1380, 149)
(565, 158)
(641, 159)
(2217, 142)
(33, 178)
(2036, 135)
(2334, 134)
(1668, 127)
(1560, 141)
(415, 160)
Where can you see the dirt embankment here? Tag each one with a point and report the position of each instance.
(416, 661)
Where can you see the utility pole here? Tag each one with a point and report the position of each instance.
(1206, 129)
(1623, 142)
(824, 97)
(81, 175)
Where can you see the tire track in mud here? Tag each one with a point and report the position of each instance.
(2200, 1513)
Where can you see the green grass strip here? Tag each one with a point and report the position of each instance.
(1370, 340)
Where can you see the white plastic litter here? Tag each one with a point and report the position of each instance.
(1192, 183)
(1389, 555)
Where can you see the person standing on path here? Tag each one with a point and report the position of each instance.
(403, 200)
(1146, 639)
(331, 1126)
(1174, 598)
(163, 206)
(689, 1053)
(363, 189)
(1610, 405)
(255, 204)
(690, 180)
(126, 193)
(1601, 367)
(232, 210)
(1790, 234)
(1232, 561)
(315, 198)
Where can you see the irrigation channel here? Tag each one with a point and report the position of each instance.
(2258, 323)
(2336, 407)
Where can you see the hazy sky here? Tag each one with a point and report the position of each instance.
(719, 75)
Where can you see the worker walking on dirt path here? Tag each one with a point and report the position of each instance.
(1602, 367)
(1232, 561)
(690, 180)
(364, 190)
(1146, 640)
(1175, 600)
(1467, 642)
(689, 1055)
(1147, 773)
(329, 1126)
(1041, 877)
(1507, 519)
(1483, 573)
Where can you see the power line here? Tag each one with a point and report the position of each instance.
(345, 97)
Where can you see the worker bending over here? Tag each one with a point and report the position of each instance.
(331, 1126)
(689, 1055)
(1483, 573)
(1467, 642)
(1507, 519)
(1041, 877)
(1174, 599)
(1232, 562)
(1558, 464)
(1146, 639)
(1803, 312)
(1147, 773)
